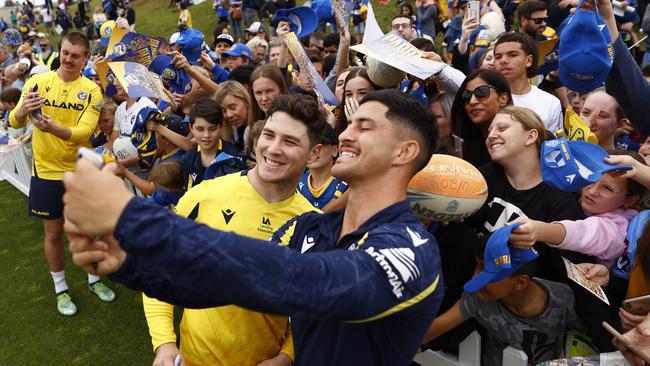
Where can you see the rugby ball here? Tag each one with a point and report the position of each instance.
(383, 74)
(123, 148)
(447, 189)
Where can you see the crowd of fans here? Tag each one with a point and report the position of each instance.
(237, 96)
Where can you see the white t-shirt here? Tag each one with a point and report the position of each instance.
(125, 117)
(547, 106)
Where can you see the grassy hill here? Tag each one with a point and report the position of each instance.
(153, 17)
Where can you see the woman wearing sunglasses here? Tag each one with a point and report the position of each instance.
(477, 101)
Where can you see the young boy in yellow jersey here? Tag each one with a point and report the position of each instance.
(254, 205)
(64, 108)
(317, 184)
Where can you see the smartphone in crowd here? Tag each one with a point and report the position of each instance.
(637, 305)
(474, 10)
(36, 112)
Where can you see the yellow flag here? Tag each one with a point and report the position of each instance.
(576, 129)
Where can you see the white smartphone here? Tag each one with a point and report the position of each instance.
(474, 10)
(626, 342)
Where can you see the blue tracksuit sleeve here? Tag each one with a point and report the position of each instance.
(191, 265)
(219, 74)
(626, 83)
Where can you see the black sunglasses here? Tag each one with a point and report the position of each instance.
(481, 93)
(539, 21)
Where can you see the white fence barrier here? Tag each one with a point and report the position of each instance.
(469, 354)
(16, 168)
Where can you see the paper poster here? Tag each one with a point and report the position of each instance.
(575, 129)
(578, 276)
(548, 55)
(138, 81)
(342, 10)
(395, 51)
(320, 88)
(372, 31)
(131, 47)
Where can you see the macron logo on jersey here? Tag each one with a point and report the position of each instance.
(400, 260)
(415, 238)
(307, 243)
(227, 215)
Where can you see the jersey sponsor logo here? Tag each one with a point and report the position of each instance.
(400, 260)
(228, 214)
(63, 105)
(193, 175)
(47, 89)
(82, 95)
(307, 243)
(300, 185)
(265, 226)
(415, 238)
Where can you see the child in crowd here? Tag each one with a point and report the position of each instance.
(516, 309)
(102, 134)
(9, 98)
(317, 183)
(164, 150)
(607, 203)
(213, 156)
(168, 179)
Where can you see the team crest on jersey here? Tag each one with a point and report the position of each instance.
(82, 95)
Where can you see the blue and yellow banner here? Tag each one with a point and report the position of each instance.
(131, 47)
(548, 55)
(320, 88)
(575, 129)
(138, 81)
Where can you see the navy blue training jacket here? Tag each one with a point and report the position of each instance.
(367, 300)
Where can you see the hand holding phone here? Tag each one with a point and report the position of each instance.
(626, 342)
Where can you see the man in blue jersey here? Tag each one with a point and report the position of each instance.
(361, 285)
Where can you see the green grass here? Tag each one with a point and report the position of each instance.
(33, 332)
(153, 17)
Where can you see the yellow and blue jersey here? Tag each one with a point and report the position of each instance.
(228, 335)
(366, 298)
(319, 197)
(75, 105)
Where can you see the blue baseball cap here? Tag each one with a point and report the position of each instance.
(303, 21)
(89, 71)
(572, 165)
(238, 50)
(144, 115)
(499, 259)
(323, 10)
(177, 80)
(585, 52)
(190, 41)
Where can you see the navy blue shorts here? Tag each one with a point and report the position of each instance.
(46, 198)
